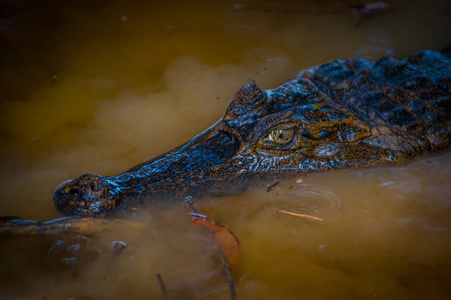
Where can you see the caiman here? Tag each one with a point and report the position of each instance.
(341, 114)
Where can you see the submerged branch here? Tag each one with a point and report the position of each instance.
(84, 226)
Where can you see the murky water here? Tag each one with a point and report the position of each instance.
(99, 86)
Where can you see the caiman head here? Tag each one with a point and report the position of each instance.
(293, 129)
(263, 135)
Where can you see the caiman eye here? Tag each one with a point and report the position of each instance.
(281, 136)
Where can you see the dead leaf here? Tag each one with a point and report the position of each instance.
(225, 240)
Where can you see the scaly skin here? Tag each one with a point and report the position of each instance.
(345, 113)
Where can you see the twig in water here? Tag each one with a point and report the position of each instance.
(228, 275)
(163, 288)
(269, 188)
(298, 215)
(190, 202)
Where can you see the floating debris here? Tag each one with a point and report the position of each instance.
(285, 212)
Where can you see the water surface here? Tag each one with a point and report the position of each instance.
(100, 86)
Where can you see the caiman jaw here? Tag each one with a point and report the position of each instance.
(187, 170)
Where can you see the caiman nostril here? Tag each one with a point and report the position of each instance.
(94, 187)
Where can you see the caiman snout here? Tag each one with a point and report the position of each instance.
(89, 194)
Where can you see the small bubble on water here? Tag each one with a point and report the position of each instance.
(321, 247)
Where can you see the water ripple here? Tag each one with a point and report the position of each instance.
(305, 198)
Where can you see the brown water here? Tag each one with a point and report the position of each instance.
(99, 86)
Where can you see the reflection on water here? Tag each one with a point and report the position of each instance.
(99, 86)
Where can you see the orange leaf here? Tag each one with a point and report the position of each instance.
(226, 241)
